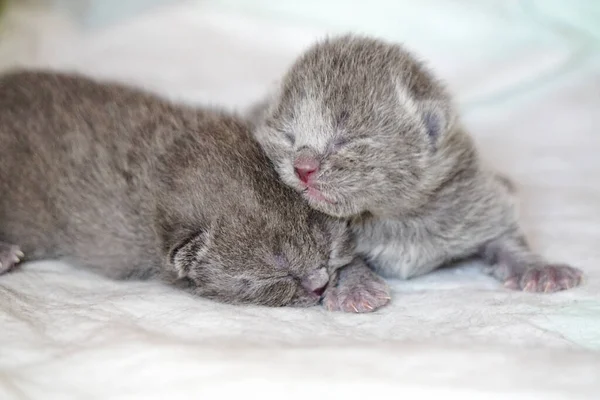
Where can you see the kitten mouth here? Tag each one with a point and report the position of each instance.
(315, 194)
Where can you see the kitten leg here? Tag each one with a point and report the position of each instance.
(358, 290)
(514, 263)
(10, 256)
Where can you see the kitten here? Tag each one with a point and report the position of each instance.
(365, 132)
(131, 186)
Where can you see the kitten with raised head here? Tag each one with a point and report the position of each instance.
(132, 186)
(365, 132)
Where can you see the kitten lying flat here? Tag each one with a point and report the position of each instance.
(365, 132)
(131, 186)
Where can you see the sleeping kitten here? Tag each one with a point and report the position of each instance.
(366, 132)
(131, 186)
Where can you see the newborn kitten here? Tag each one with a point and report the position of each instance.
(366, 132)
(131, 186)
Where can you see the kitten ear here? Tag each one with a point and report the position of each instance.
(190, 252)
(435, 113)
(436, 118)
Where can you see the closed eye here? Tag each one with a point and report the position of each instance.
(288, 136)
(339, 143)
(356, 141)
(283, 266)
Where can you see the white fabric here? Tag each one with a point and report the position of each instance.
(532, 104)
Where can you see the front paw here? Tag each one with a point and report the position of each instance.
(548, 278)
(357, 295)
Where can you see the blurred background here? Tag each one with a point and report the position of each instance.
(471, 43)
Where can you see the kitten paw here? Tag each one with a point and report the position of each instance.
(10, 256)
(358, 296)
(547, 279)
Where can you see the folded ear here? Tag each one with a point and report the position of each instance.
(437, 118)
(435, 113)
(190, 252)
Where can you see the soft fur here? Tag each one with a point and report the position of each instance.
(132, 186)
(396, 161)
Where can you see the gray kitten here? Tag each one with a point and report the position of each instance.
(366, 132)
(131, 186)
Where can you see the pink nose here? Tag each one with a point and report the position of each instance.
(305, 167)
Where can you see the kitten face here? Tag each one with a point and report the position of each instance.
(352, 127)
(264, 264)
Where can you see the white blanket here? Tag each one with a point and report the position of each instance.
(528, 81)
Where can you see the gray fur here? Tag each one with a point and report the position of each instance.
(131, 186)
(396, 161)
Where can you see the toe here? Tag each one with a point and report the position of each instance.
(548, 279)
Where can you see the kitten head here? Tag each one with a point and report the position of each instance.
(233, 231)
(355, 126)
(269, 258)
